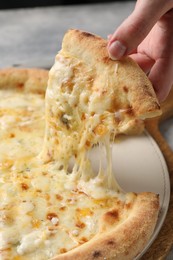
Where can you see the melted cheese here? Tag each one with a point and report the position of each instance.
(77, 118)
(43, 210)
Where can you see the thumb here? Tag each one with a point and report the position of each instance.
(136, 27)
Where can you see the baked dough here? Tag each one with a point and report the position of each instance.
(72, 215)
(125, 77)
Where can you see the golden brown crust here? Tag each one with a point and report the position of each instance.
(27, 80)
(129, 78)
(124, 241)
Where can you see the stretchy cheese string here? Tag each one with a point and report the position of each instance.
(62, 140)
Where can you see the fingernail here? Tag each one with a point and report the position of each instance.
(116, 50)
(109, 37)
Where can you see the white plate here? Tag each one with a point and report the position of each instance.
(139, 166)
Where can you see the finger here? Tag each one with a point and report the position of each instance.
(161, 77)
(161, 73)
(136, 27)
(145, 62)
(133, 51)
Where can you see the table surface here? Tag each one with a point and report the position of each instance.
(32, 37)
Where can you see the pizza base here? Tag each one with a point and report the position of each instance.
(113, 243)
(26, 80)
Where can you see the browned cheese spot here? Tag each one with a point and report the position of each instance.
(71, 200)
(104, 92)
(111, 242)
(5, 249)
(92, 113)
(63, 250)
(83, 240)
(24, 186)
(51, 215)
(96, 254)
(128, 205)
(20, 85)
(80, 224)
(38, 190)
(130, 111)
(62, 208)
(87, 34)
(12, 135)
(58, 197)
(125, 89)
(67, 86)
(112, 216)
(87, 143)
(83, 117)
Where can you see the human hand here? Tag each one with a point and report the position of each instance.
(147, 36)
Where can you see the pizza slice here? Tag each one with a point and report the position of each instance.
(89, 95)
(90, 99)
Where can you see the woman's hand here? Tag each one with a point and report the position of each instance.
(147, 36)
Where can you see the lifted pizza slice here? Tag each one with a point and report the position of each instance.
(90, 99)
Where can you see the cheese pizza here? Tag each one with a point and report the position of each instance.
(53, 204)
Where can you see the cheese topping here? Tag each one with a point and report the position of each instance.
(51, 202)
(77, 118)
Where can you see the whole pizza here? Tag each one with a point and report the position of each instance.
(53, 204)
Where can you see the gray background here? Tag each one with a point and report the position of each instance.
(35, 35)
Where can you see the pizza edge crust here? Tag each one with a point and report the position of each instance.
(126, 240)
(92, 49)
(23, 79)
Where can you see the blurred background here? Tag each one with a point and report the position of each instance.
(32, 31)
(32, 3)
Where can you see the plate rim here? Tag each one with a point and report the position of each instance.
(166, 196)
